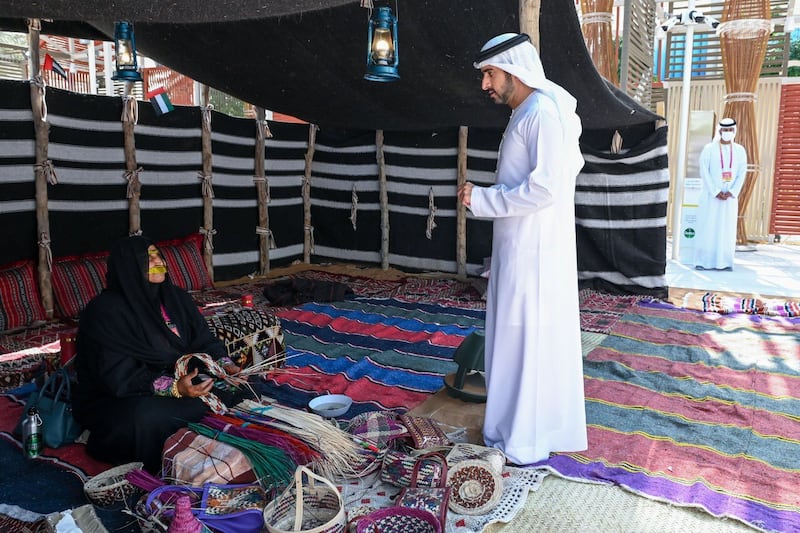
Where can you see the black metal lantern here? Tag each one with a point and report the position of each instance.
(383, 56)
(125, 48)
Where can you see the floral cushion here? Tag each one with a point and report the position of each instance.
(76, 280)
(185, 264)
(20, 304)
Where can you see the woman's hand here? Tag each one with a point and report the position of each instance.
(188, 389)
(232, 369)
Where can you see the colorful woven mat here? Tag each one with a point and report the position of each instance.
(696, 409)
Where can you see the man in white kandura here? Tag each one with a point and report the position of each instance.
(723, 167)
(534, 371)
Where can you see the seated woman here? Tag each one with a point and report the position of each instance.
(129, 339)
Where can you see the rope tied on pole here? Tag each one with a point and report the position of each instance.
(44, 244)
(206, 110)
(740, 97)
(262, 130)
(431, 215)
(39, 83)
(208, 235)
(265, 181)
(310, 231)
(599, 17)
(268, 233)
(134, 185)
(208, 189)
(354, 206)
(130, 109)
(48, 170)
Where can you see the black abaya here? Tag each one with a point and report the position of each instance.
(124, 345)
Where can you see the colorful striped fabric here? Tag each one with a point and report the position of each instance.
(185, 263)
(20, 305)
(720, 303)
(697, 409)
(384, 353)
(76, 280)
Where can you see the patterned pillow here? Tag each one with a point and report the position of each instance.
(185, 264)
(20, 304)
(76, 280)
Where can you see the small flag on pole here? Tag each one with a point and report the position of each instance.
(158, 97)
(52, 64)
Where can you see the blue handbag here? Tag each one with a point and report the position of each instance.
(54, 402)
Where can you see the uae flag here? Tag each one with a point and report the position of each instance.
(158, 97)
(52, 64)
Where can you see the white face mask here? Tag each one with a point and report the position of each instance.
(727, 136)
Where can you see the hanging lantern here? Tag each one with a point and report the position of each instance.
(382, 52)
(125, 46)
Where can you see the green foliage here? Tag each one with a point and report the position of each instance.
(225, 103)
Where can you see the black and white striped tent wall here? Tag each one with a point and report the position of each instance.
(621, 200)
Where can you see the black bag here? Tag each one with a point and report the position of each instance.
(54, 402)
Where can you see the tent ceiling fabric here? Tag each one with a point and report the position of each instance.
(298, 59)
(176, 11)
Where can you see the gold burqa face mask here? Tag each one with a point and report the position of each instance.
(158, 269)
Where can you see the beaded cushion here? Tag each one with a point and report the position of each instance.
(185, 264)
(20, 304)
(76, 280)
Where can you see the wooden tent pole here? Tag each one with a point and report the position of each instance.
(308, 229)
(205, 177)
(42, 132)
(262, 194)
(529, 20)
(461, 211)
(384, 199)
(129, 119)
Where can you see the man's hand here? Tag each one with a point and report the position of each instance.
(465, 194)
(188, 389)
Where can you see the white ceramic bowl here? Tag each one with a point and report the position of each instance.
(331, 405)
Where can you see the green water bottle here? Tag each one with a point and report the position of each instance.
(32, 438)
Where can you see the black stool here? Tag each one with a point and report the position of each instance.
(468, 383)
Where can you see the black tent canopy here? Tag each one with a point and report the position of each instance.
(306, 58)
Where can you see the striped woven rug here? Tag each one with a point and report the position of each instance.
(697, 409)
(385, 353)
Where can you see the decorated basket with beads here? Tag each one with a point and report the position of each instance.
(110, 487)
(475, 487)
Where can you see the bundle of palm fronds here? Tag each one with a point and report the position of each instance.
(338, 451)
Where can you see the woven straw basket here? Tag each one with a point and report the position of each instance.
(399, 520)
(110, 487)
(313, 507)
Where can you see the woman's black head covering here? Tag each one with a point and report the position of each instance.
(127, 276)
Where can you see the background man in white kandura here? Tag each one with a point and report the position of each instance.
(534, 371)
(723, 167)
